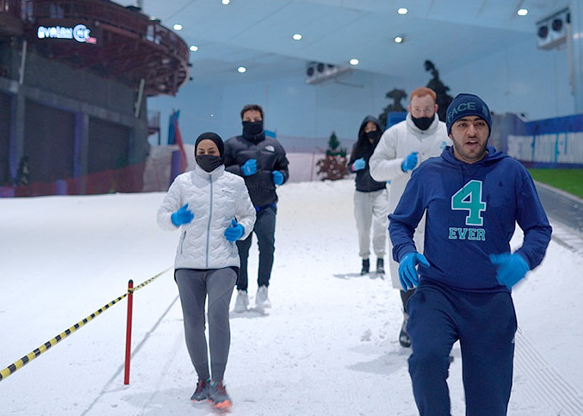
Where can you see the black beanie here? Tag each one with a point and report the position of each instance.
(216, 139)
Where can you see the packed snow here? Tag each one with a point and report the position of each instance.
(327, 347)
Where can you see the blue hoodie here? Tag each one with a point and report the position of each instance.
(472, 210)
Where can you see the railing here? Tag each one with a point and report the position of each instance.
(127, 179)
(108, 13)
(133, 47)
(18, 364)
(153, 122)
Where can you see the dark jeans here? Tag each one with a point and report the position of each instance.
(485, 324)
(265, 231)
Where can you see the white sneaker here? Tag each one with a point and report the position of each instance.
(242, 301)
(262, 299)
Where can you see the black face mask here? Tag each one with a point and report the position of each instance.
(209, 162)
(252, 128)
(422, 123)
(373, 135)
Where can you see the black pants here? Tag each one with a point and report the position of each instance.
(265, 231)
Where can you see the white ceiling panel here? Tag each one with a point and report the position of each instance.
(257, 33)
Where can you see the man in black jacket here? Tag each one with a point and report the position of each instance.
(262, 162)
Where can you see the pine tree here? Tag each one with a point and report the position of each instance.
(333, 166)
(443, 99)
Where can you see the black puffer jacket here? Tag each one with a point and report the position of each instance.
(363, 148)
(270, 156)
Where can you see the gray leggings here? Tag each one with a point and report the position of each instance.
(194, 286)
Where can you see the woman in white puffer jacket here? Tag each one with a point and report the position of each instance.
(212, 208)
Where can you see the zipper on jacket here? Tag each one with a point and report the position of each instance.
(182, 240)
(208, 229)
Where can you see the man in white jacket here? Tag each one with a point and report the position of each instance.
(401, 149)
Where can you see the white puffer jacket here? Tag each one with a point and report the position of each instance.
(395, 145)
(215, 199)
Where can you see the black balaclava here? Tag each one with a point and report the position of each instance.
(210, 162)
(423, 123)
(252, 128)
(373, 136)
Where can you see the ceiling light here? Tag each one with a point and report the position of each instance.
(522, 12)
(225, 2)
(193, 48)
(399, 39)
(241, 69)
(353, 61)
(402, 10)
(297, 36)
(177, 27)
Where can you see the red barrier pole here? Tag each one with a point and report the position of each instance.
(126, 379)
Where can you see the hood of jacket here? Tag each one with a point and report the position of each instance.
(363, 146)
(468, 170)
(363, 124)
(492, 156)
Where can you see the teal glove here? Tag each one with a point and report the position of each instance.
(182, 216)
(250, 167)
(410, 162)
(407, 269)
(235, 231)
(358, 164)
(511, 268)
(277, 177)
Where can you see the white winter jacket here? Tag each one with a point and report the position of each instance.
(215, 199)
(395, 145)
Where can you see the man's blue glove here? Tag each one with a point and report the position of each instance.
(511, 268)
(407, 269)
(182, 216)
(277, 177)
(358, 164)
(235, 231)
(250, 167)
(410, 162)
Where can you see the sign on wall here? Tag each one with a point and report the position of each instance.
(550, 142)
(559, 148)
(80, 33)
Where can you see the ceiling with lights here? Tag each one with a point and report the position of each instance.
(267, 39)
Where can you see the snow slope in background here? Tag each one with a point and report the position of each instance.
(327, 347)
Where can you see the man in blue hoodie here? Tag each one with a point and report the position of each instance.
(473, 196)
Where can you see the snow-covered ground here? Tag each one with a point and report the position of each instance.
(327, 347)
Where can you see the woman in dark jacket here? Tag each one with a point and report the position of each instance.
(371, 201)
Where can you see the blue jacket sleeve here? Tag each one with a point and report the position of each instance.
(404, 220)
(533, 221)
